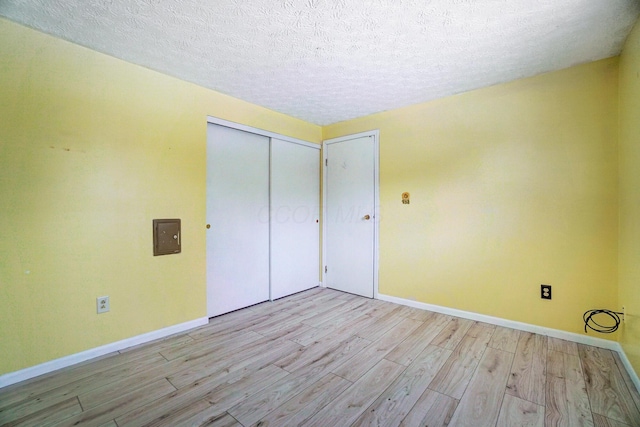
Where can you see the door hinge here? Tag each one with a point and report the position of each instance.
(326, 162)
(325, 268)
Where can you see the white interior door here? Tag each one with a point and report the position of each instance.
(350, 215)
(238, 213)
(295, 233)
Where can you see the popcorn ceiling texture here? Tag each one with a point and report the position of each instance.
(326, 61)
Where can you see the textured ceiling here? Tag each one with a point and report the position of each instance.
(326, 61)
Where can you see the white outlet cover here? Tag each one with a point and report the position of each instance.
(102, 304)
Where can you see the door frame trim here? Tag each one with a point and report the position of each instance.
(376, 208)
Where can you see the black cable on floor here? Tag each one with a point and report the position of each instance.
(589, 321)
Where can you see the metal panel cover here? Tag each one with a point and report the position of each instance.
(166, 236)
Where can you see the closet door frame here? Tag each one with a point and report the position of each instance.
(269, 134)
(258, 131)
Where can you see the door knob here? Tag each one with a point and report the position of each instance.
(367, 217)
(208, 226)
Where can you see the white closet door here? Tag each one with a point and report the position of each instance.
(295, 232)
(238, 213)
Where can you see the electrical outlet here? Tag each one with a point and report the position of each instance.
(545, 291)
(102, 304)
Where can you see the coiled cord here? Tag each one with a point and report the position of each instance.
(588, 321)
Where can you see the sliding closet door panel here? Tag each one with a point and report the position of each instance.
(295, 232)
(238, 213)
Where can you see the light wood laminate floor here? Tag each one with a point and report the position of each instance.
(326, 358)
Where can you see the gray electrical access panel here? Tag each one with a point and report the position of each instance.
(166, 236)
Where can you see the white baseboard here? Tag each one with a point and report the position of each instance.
(72, 359)
(555, 333)
(627, 364)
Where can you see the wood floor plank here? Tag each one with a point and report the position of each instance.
(380, 327)
(567, 403)
(393, 405)
(318, 352)
(315, 308)
(82, 385)
(247, 356)
(290, 300)
(61, 378)
(407, 350)
(48, 416)
(421, 315)
(326, 301)
(348, 406)
(297, 410)
(96, 396)
(221, 420)
(231, 371)
(452, 333)
(341, 324)
(347, 309)
(275, 319)
(287, 333)
(223, 399)
(608, 393)
(480, 405)
(252, 409)
(505, 339)
(225, 328)
(432, 409)
(556, 344)
(402, 310)
(208, 345)
(148, 349)
(198, 364)
(143, 415)
(357, 366)
(215, 402)
(602, 421)
(180, 374)
(270, 307)
(181, 416)
(528, 374)
(221, 385)
(277, 324)
(124, 403)
(381, 309)
(232, 318)
(521, 413)
(456, 373)
(635, 393)
(312, 308)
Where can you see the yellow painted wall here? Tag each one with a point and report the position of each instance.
(629, 246)
(91, 150)
(511, 186)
